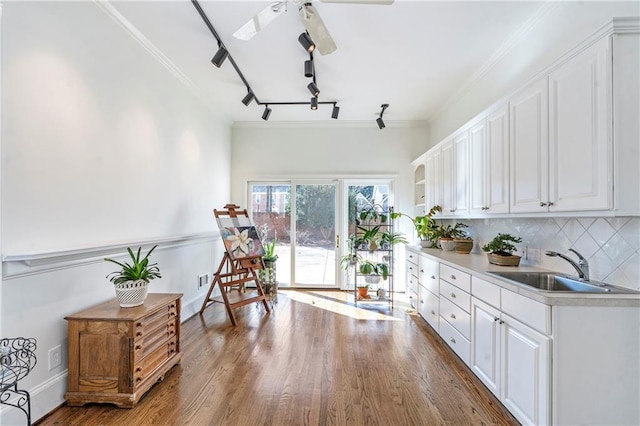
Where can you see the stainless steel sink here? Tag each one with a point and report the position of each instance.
(552, 281)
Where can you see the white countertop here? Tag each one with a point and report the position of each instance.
(478, 265)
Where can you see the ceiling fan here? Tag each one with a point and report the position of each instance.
(310, 19)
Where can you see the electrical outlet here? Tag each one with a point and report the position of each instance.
(203, 280)
(55, 357)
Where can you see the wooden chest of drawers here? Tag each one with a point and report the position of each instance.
(116, 354)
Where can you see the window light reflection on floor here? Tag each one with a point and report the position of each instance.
(329, 302)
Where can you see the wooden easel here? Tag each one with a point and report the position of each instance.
(232, 274)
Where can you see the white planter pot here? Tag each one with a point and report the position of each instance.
(131, 293)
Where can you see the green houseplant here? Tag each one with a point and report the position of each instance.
(448, 233)
(132, 279)
(500, 250)
(424, 225)
(268, 274)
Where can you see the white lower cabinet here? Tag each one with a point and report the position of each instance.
(429, 307)
(512, 360)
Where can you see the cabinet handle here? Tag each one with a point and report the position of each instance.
(433, 312)
(453, 295)
(138, 347)
(542, 204)
(501, 322)
(452, 210)
(422, 270)
(495, 319)
(433, 277)
(452, 340)
(549, 203)
(453, 277)
(453, 316)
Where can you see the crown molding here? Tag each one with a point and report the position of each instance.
(328, 124)
(499, 54)
(157, 54)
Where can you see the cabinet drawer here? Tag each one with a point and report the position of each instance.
(412, 284)
(485, 291)
(458, 318)
(429, 308)
(412, 270)
(458, 278)
(150, 323)
(413, 299)
(455, 340)
(156, 359)
(534, 314)
(412, 257)
(455, 295)
(144, 346)
(429, 274)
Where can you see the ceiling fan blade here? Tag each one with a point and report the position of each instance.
(317, 30)
(261, 20)
(379, 2)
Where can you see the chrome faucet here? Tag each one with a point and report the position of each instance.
(582, 266)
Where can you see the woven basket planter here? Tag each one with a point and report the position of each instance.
(463, 246)
(496, 259)
(131, 293)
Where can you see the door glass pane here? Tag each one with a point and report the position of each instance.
(271, 212)
(315, 235)
(363, 197)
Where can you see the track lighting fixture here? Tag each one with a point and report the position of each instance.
(335, 112)
(308, 68)
(379, 119)
(314, 103)
(248, 98)
(306, 42)
(220, 56)
(266, 113)
(313, 89)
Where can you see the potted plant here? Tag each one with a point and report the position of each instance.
(463, 245)
(390, 238)
(131, 280)
(425, 225)
(448, 233)
(373, 271)
(500, 250)
(367, 238)
(373, 214)
(268, 274)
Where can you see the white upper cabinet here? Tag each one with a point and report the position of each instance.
(489, 164)
(579, 131)
(529, 148)
(433, 179)
(448, 200)
(461, 174)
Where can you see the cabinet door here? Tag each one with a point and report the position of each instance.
(485, 344)
(579, 129)
(478, 167)
(497, 162)
(447, 172)
(528, 147)
(461, 174)
(525, 384)
(433, 180)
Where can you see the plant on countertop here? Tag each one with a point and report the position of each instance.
(425, 225)
(453, 231)
(500, 250)
(139, 269)
(502, 245)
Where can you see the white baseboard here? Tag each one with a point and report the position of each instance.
(45, 397)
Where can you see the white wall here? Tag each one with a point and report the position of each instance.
(101, 145)
(334, 150)
(565, 25)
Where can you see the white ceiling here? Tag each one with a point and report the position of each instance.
(414, 55)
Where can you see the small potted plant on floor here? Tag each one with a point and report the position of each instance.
(131, 280)
(268, 274)
(500, 250)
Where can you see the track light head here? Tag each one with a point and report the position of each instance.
(313, 89)
(220, 56)
(379, 119)
(266, 113)
(306, 42)
(335, 112)
(314, 103)
(248, 98)
(308, 68)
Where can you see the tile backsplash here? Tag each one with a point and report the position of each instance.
(611, 245)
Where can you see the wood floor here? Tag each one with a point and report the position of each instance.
(315, 360)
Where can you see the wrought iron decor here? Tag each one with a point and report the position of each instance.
(17, 359)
